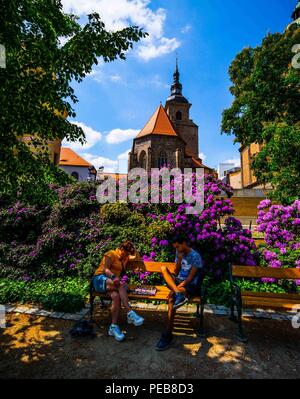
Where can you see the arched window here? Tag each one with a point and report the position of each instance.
(143, 160)
(162, 160)
(75, 175)
(178, 116)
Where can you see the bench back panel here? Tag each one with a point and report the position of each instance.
(152, 267)
(259, 272)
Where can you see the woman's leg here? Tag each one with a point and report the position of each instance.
(170, 281)
(124, 298)
(116, 302)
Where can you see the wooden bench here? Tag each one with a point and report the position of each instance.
(246, 299)
(162, 293)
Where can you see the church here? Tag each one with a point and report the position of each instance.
(170, 138)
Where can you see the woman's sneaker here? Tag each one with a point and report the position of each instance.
(134, 318)
(114, 331)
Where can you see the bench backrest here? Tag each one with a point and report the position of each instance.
(259, 272)
(152, 267)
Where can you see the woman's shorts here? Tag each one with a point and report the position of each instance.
(99, 283)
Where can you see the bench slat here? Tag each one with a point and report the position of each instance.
(152, 267)
(259, 272)
(271, 303)
(271, 295)
(162, 294)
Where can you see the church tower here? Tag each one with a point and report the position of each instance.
(178, 110)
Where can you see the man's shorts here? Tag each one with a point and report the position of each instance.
(192, 290)
(99, 283)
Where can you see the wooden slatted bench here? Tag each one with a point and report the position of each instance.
(246, 299)
(162, 293)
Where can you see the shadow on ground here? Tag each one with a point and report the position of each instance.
(37, 347)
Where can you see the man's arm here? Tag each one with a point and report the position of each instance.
(178, 262)
(193, 272)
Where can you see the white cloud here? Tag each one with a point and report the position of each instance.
(110, 165)
(186, 29)
(236, 162)
(118, 14)
(202, 156)
(99, 75)
(91, 135)
(124, 156)
(117, 136)
(157, 48)
(119, 165)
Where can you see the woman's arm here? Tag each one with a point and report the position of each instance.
(136, 256)
(107, 267)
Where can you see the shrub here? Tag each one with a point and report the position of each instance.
(64, 295)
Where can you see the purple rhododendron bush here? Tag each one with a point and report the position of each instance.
(69, 238)
(281, 227)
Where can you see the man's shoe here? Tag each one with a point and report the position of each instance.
(134, 318)
(114, 331)
(180, 300)
(165, 342)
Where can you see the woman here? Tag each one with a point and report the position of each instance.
(107, 280)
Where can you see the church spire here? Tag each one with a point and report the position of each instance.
(176, 88)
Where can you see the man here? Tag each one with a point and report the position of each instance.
(184, 284)
(107, 280)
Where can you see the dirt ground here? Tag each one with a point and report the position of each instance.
(37, 347)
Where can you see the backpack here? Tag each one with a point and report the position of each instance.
(83, 328)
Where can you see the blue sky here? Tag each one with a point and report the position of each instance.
(118, 98)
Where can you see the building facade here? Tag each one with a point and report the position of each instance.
(170, 138)
(76, 166)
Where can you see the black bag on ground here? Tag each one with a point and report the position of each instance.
(83, 328)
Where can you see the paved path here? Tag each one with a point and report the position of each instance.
(35, 346)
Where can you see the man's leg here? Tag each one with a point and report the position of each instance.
(171, 315)
(170, 281)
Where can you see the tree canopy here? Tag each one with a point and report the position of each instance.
(36, 91)
(266, 91)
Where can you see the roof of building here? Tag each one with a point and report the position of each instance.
(115, 176)
(198, 164)
(69, 157)
(159, 123)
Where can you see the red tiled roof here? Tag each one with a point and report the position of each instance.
(159, 123)
(69, 157)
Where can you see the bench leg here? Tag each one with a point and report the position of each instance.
(92, 300)
(232, 316)
(201, 331)
(241, 335)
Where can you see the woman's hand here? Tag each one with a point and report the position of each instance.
(116, 282)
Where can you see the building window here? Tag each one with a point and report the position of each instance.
(163, 160)
(143, 160)
(178, 116)
(75, 175)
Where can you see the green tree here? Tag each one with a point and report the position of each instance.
(266, 106)
(35, 87)
(279, 161)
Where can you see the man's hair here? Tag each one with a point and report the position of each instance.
(128, 247)
(179, 239)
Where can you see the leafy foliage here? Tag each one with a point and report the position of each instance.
(64, 295)
(36, 93)
(265, 110)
